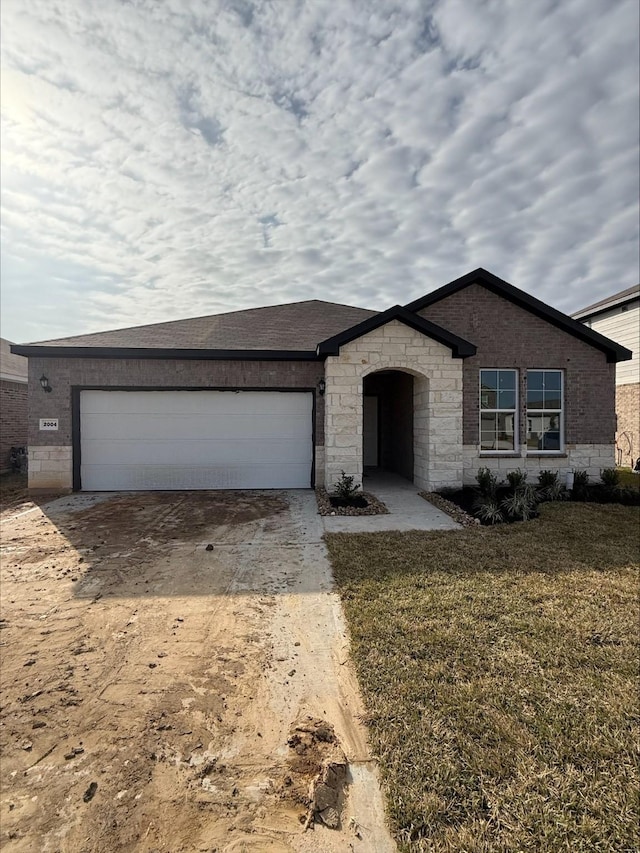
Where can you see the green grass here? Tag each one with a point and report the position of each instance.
(628, 478)
(499, 668)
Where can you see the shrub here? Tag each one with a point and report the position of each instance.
(488, 510)
(487, 482)
(547, 478)
(522, 504)
(344, 489)
(549, 486)
(517, 478)
(627, 495)
(580, 485)
(609, 477)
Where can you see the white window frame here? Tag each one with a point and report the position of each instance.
(561, 449)
(515, 411)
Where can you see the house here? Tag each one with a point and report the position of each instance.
(476, 373)
(13, 403)
(618, 317)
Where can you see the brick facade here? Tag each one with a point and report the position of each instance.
(628, 432)
(508, 336)
(13, 419)
(65, 373)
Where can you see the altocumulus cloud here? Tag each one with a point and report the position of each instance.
(176, 158)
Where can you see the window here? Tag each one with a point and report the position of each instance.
(544, 411)
(498, 410)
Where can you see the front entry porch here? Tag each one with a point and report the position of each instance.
(387, 422)
(394, 402)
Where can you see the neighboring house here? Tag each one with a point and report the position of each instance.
(618, 317)
(477, 373)
(13, 403)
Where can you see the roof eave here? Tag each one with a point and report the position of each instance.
(33, 351)
(594, 311)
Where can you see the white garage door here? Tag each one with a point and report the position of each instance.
(195, 440)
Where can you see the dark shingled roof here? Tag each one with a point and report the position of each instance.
(295, 326)
(296, 330)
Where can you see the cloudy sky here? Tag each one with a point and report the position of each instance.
(173, 158)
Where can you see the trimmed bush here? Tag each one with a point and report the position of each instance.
(517, 478)
(610, 477)
(344, 489)
(580, 485)
(487, 482)
(549, 486)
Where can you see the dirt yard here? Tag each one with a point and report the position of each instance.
(174, 675)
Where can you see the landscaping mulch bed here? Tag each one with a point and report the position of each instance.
(373, 505)
(456, 512)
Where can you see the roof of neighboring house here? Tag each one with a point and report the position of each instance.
(613, 351)
(12, 367)
(298, 330)
(615, 301)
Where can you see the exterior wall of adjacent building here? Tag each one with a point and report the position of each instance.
(51, 452)
(622, 324)
(437, 403)
(13, 403)
(508, 336)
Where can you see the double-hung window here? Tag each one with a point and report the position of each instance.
(498, 411)
(545, 411)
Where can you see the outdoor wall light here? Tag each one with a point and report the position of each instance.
(45, 384)
(322, 386)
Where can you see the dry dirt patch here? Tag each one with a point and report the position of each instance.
(156, 650)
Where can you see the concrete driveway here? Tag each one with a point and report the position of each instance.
(175, 666)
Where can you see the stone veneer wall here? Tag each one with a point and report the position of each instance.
(585, 457)
(437, 422)
(50, 468)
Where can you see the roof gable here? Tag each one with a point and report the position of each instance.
(458, 346)
(614, 352)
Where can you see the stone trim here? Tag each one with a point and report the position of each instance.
(591, 458)
(50, 468)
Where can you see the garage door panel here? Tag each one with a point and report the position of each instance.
(170, 452)
(170, 477)
(193, 402)
(195, 440)
(137, 427)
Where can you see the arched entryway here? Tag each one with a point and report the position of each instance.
(388, 422)
(426, 405)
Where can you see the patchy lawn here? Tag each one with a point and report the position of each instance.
(628, 478)
(500, 672)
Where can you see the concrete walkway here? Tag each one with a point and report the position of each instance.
(407, 510)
